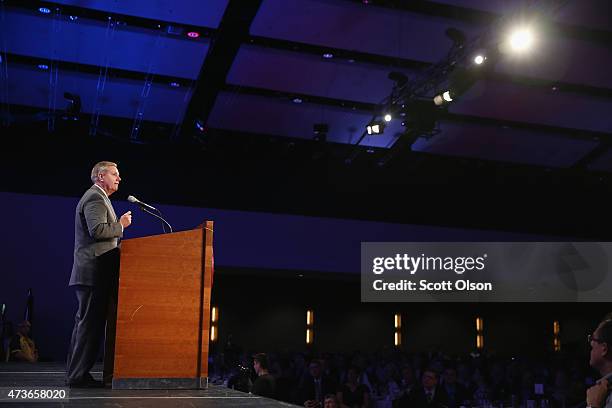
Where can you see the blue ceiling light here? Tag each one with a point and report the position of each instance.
(44, 67)
(298, 100)
(44, 10)
(73, 18)
(328, 55)
(175, 84)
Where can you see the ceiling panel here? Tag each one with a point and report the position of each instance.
(514, 102)
(308, 74)
(275, 116)
(199, 13)
(587, 13)
(88, 42)
(29, 86)
(563, 59)
(356, 26)
(503, 144)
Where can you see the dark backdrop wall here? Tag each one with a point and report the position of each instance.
(265, 309)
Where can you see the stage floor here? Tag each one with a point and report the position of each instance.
(51, 375)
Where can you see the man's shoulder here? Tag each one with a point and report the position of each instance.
(91, 194)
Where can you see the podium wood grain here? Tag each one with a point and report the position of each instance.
(163, 313)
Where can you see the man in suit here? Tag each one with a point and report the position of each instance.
(428, 395)
(95, 267)
(314, 387)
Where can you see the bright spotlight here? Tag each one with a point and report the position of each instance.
(479, 59)
(388, 117)
(447, 96)
(521, 40)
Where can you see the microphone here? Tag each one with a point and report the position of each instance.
(133, 199)
(144, 206)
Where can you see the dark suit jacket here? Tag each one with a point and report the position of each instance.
(416, 399)
(96, 233)
(461, 394)
(306, 389)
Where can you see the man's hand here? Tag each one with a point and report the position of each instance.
(596, 395)
(126, 219)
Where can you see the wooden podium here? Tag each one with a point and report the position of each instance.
(163, 312)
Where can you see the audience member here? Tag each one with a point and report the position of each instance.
(264, 384)
(600, 341)
(352, 394)
(22, 347)
(314, 386)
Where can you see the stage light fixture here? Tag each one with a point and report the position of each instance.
(320, 131)
(388, 117)
(44, 67)
(399, 78)
(73, 18)
(328, 55)
(73, 110)
(375, 128)
(521, 40)
(456, 35)
(199, 125)
(175, 84)
(297, 100)
(479, 59)
(193, 34)
(443, 98)
(44, 10)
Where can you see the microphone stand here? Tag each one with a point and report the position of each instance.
(142, 207)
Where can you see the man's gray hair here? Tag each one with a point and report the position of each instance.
(100, 168)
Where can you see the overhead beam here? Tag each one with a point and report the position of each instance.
(95, 69)
(103, 16)
(572, 133)
(232, 32)
(403, 63)
(471, 15)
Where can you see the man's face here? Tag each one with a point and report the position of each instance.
(315, 370)
(110, 179)
(599, 350)
(450, 376)
(256, 366)
(429, 380)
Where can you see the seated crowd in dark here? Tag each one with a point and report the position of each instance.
(396, 379)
